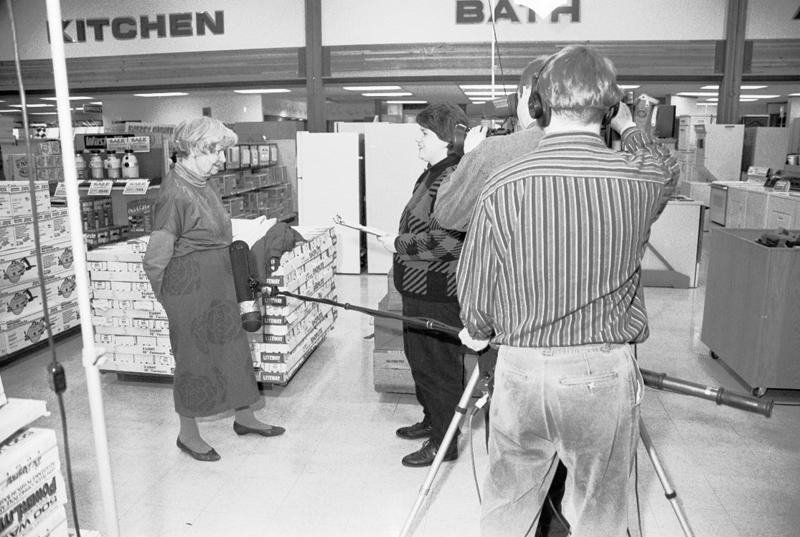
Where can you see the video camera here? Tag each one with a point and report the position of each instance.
(502, 110)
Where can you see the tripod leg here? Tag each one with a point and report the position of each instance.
(669, 491)
(461, 409)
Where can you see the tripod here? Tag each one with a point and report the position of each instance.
(654, 380)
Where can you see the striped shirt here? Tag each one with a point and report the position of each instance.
(553, 253)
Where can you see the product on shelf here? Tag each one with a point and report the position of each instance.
(96, 168)
(130, 165)
(112, 165)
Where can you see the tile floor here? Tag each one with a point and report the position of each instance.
(337, 472)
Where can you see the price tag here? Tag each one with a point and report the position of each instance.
(61, 191)
(136, 187)
(119, 144)
(100, 188)
(139, 144)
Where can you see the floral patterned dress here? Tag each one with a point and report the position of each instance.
(189, 267)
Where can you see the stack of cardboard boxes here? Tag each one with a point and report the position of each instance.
(32, 494)
(132, 326)
(293, 328)
(391, 372)
(22, 320)
(129, 323)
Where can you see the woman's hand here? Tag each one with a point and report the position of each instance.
(388, 242)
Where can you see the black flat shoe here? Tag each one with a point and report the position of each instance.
(273, 430)
(424, 456)
(415, 432)
(209, 456)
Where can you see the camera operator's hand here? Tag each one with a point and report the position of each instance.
(388, 242)
(472, 343)
(474, 137)
(623, 120)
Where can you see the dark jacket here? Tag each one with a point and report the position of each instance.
(427, 255)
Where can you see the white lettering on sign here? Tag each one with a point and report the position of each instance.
(479, 11)
(100, 188)
(142, 27)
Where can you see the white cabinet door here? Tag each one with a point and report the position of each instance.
(327, 185)
(737, 205)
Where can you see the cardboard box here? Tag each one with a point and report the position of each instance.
(20, 267)
(15, 198)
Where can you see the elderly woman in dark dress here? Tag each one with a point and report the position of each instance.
(189, 268)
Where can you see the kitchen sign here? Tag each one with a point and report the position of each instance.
(142, 27)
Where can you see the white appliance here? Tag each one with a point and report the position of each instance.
(722, 151)
(327, 185)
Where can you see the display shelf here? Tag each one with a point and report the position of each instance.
(19, 413)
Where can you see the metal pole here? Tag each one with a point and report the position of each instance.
(669, 491)
(461, 409)
(491, 40)
(90, 352)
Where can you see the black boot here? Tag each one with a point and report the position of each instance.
(416, 431)
(424, 456)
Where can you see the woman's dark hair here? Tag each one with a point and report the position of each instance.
(442, 119)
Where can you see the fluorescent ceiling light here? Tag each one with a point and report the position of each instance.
(34, 105)
(390, 94)
(10, 111)
(741, 100)
(265, 90)
(628, 86)
(371, 88)
(71, 98)
(754, 96)
(406, 102)
(42, 113)
(488, 86)
(716, 87)
(478, 102)
(98, 103)
(697, 93)
(487, 93)
(794, 95)
(164, 94)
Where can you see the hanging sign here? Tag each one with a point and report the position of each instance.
(100, 188)
(136, 187)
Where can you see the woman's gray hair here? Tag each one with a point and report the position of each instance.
(203, 134)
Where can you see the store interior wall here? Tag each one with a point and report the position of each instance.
(226, 106)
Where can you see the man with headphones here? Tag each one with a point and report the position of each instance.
(550, 272)
(456, 200)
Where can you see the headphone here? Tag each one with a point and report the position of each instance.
(459, 135)
(540, 110)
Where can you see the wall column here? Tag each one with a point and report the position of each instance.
(729, 91)
(315, 93)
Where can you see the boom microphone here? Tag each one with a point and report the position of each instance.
(248, 307)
